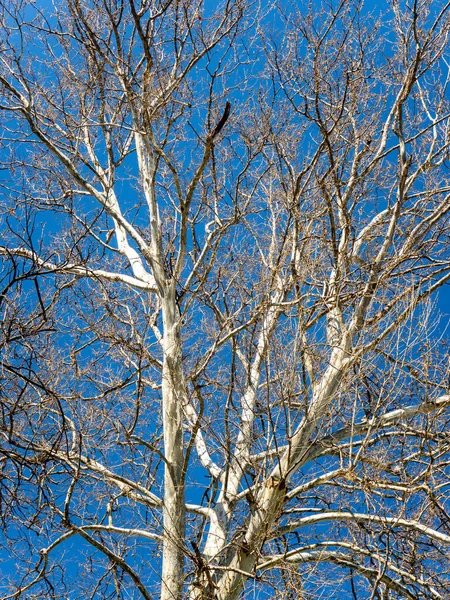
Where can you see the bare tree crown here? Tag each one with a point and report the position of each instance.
(224, 245)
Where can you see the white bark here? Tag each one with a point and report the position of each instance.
(173, 396)
(272, 251)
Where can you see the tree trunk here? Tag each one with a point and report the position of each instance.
(173, 393)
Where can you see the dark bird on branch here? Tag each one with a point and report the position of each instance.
(223, 120)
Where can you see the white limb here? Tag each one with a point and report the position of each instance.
(147, 283)
(322, 479)
(344, 560)
(203, 454)
(131, 531)
(109, 528)
(128, 488)
(364, 233)
(323, 445)
(104, 198)
(124, 246)
(217, 527)
(291, 556)
(147, 169)
(106, 177)
(363, 518)
(248, 399)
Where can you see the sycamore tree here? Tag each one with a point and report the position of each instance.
(224, 251)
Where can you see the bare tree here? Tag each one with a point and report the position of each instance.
(224, 367)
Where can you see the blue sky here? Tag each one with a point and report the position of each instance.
(48, 224)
